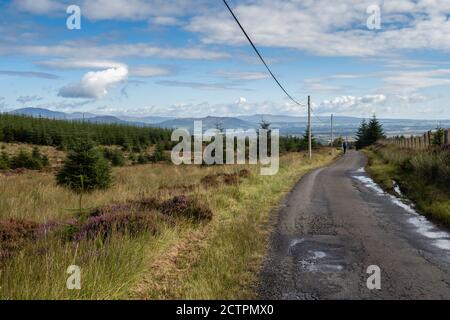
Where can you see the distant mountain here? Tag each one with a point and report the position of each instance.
(105, 120)
(80, 115)
(207, 122)
(288, 125)
(149, 120)
(39, 112)
(257, 118)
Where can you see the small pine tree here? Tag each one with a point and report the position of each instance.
(361, 135)
(304, 144)
(438, 137)
(85, 169)
(33, 161)
(159, 154)
(4, 161)
(369, 133)
(375, 131)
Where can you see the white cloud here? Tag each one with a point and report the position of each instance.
(79, 64)
(139, 9)
(352, 104)
(28, 99)
(87, 51)
(241, 100)
(28, 74)
(134, 71)
(166, 21)
(409, 82)
(95, 84)
(39, 6)
(246, 76)
(325, 27)
(148, 71)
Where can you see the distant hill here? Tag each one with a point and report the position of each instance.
(288, 125)
(146, 119)
(105, 120)
(207, 122)
(39, 112)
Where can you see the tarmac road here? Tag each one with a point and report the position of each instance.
(335, 224)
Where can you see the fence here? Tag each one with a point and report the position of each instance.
(418, 142)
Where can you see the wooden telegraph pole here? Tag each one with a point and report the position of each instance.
(309, 128)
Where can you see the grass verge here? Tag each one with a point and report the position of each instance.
(422, 175)
(222, 261)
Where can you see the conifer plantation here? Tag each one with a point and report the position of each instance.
(62, 134)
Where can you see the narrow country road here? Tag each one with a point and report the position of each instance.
(335, 223)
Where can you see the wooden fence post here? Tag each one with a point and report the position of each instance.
(446, 137)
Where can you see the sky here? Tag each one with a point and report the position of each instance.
(188, 58)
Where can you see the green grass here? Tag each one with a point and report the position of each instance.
(219, 259)
(421, 174)
(224, 263)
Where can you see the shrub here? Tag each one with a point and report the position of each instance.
(182, 206)
(438, 137)
(142, 159)
(105, 225)
(4, 161)
(115, 156)
(34, 161)
(14, 234)
(159, 154)
(85, 170)
(432, 166)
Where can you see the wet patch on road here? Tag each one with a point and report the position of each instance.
(437, 236)
(320, 262)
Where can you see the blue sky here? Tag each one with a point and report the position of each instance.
(189, 58)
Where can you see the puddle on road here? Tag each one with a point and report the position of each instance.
(441, 239)
(327, 258)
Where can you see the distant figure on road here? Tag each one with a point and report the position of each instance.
(344, 146)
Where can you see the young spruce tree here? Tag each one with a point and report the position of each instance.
(85, 169)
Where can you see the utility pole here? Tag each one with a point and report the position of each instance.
(309, 128)
(332, 136)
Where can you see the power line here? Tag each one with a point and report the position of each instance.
(260, 56)
(264, 62)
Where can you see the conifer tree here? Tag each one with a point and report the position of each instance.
(85, 169)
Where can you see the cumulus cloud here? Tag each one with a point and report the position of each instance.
(95, 84)
(352, 104)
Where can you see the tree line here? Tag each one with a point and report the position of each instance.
(369, 132)
(63, 134)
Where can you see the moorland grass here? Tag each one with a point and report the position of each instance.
(184, 259)
(423, 176)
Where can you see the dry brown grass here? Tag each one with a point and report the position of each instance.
(55, 157)
(184, 260)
